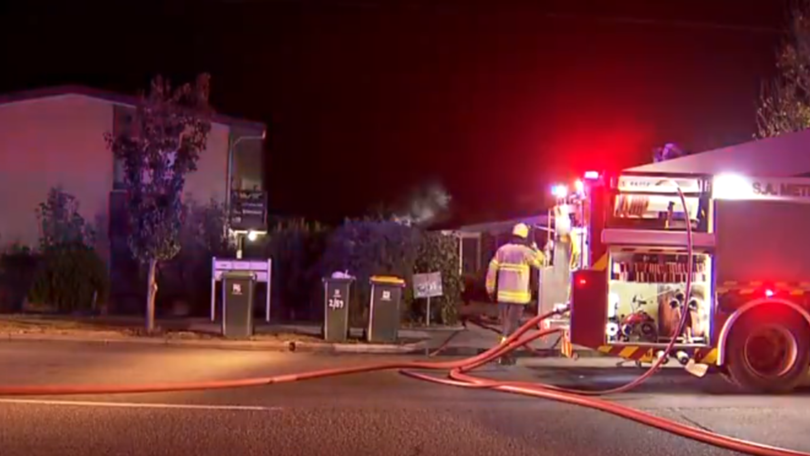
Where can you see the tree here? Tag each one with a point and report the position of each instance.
(205, 227)
(60, 221)
(169, 130)
(784, 105)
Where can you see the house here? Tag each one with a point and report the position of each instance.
(55, 137)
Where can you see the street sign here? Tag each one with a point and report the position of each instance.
(427, 285)
(261, 268)
(248, 210)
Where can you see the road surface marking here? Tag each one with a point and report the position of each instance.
(238, 408)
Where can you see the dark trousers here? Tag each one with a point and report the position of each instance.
(510, 315)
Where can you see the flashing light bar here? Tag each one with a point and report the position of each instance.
(732, 186)
(559, 190)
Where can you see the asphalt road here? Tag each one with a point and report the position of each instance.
(370, 414)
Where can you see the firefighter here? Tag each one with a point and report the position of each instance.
(509, 278)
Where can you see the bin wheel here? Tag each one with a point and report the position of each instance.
(768, 350)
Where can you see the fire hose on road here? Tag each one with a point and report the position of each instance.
(459, 376)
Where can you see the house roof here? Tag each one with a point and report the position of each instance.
(111, 97)
(504, 225)
(784, 155)
(492, 227)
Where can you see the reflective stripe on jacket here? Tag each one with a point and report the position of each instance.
(510, 270)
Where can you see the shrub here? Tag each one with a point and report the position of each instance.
(438, 252)
(295, 247)
(18, 267)
(366, 248)
(71, 276)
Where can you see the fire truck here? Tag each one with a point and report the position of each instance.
(624, 239)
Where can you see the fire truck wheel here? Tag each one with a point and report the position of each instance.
(768, 350)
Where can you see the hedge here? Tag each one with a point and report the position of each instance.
(439, 252)
(296, 247)
(367, 248)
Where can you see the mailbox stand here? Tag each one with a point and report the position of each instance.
(263, 274)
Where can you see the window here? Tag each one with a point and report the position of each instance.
(118, 174)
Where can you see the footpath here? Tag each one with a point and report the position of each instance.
(202, 333)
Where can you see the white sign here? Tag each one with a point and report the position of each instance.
(650, 184)
(262, 270)
(386, 295)
(738, 187)
(427, 285)
(240, 265)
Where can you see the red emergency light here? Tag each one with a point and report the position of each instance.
(767, 290)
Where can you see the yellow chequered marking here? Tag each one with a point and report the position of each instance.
(627, 352)
(566, 347)
(568, 350)
(601, 264)
(709, 358)
(749, 288)
(648, 358)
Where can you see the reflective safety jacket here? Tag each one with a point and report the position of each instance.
(510, 269)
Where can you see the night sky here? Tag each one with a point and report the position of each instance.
(366, 98)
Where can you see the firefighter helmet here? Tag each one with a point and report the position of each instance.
(521, 230)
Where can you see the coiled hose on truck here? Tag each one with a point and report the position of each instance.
(459, 376)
